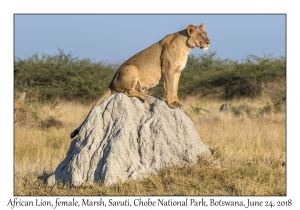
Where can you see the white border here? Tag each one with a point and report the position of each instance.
(8, 8)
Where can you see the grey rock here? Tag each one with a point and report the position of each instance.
(125, 138)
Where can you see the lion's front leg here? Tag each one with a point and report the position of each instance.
(171, 80)
(176, 82)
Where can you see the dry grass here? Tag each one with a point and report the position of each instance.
(249, 152)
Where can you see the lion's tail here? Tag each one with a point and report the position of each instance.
(104, 96)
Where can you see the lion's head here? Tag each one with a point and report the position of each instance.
(197, 37)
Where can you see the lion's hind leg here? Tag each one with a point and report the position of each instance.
(127, 80)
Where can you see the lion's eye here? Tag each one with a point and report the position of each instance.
(199, 35)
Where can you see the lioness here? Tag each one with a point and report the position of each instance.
(166, 59)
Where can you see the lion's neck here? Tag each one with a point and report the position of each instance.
(184, 35)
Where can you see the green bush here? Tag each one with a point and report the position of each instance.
(242, 87)
(62, 75)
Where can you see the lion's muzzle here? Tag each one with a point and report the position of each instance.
(204, 46)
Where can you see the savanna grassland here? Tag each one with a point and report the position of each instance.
(248, 140)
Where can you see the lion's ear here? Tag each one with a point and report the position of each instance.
(191, 29)
(202, 26)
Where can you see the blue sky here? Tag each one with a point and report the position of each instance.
(115, 38)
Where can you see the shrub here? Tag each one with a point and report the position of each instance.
(267, 109)
(62, 75)
(243, 108)
(23, 115)
(243, 87)
(198, 109)
(51, 122)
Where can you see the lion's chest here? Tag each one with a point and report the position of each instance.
(181, 62)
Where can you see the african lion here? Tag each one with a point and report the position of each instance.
(165, 59)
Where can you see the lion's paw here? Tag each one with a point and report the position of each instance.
(175, 104)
